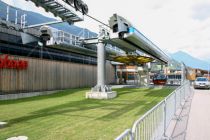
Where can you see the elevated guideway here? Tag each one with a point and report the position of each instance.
(128, 38)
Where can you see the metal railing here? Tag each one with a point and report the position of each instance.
(153, 124)
(126, 135)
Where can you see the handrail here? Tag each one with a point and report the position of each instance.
(126, 134)
(153, 124)
(145, 115)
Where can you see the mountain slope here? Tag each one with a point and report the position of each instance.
(190, 60)
(36, 18)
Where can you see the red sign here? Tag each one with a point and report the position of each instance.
(8, 63)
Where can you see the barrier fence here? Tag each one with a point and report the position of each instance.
(48, 75)
(153, 124)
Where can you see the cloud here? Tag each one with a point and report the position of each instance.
(201, 11)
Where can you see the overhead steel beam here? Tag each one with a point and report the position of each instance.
(60, 8)
(42, 24)
(128, 38)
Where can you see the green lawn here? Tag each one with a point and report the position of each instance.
(69, 116)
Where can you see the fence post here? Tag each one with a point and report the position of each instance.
(180, 93)
(175, 103)
(131, 136)
(164, 118)
(184, 90)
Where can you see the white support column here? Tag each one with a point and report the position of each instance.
(16, 16)
(101, 90)
(7, 19)
(183, 73)
(148, 73)
(101, 69)
(24, 23)
(23, 20)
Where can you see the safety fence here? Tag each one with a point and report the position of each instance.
(153, 124)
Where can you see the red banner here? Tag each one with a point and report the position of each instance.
(11, 63)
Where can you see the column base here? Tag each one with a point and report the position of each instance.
(101, 92)
(101, 95)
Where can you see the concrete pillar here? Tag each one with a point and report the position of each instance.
(101, 90)
(101, 64)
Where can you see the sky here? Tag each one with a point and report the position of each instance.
(173, 25)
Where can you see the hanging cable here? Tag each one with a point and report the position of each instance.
(91, 17)
(98, 21)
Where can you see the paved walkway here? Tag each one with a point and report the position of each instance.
(180, 123)
(194, 119)
(199, 119)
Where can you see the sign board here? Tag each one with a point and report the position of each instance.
(7, 62)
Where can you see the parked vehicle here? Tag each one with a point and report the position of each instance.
(174, 79)
(159, 79)
(202, 82)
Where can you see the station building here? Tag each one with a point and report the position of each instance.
(29, 67)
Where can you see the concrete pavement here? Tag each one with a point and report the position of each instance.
(193, 122)
(178, 125)
(199, 118)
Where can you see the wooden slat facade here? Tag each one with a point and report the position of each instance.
(44, 75)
